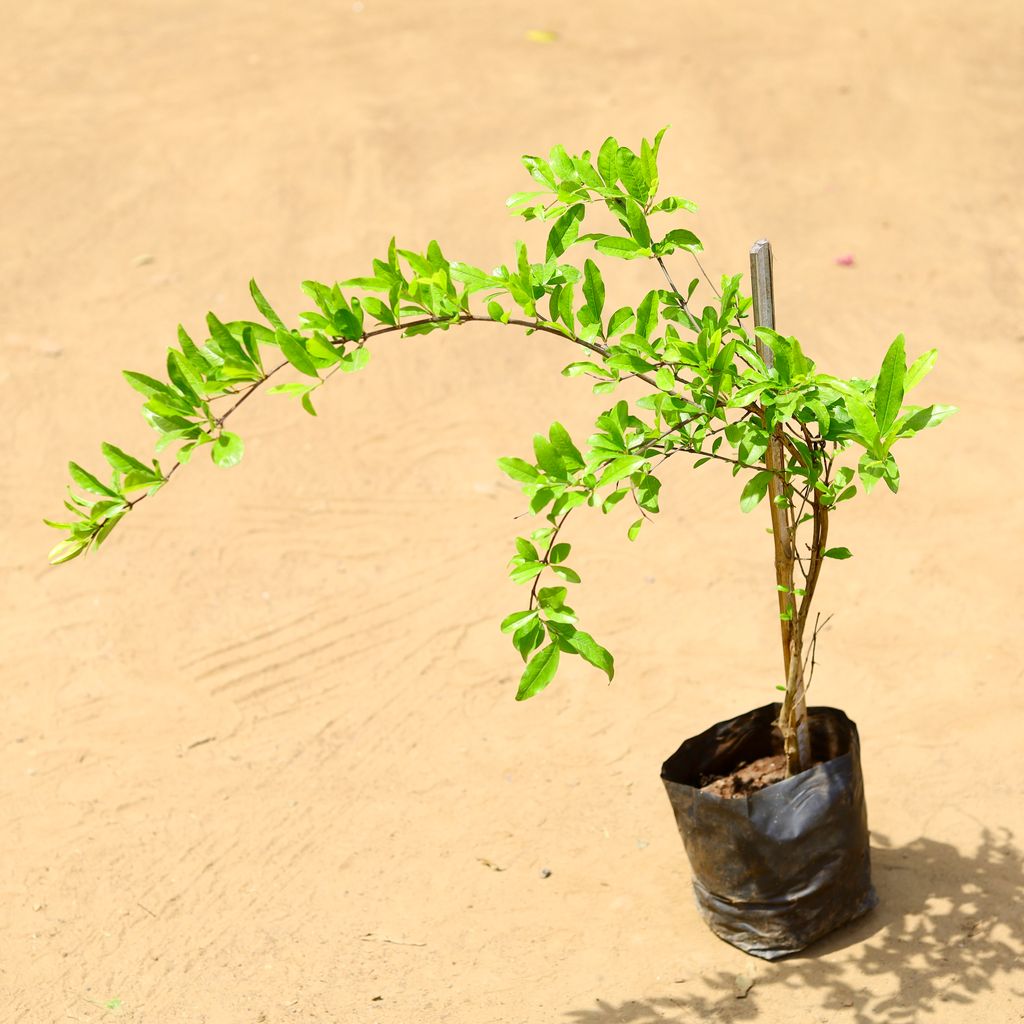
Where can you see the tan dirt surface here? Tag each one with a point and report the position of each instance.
(260, 758)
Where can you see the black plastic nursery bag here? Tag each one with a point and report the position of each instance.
(780, 868)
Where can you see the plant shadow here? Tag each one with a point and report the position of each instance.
(947, 927)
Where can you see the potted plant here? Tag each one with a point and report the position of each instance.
(770, 804)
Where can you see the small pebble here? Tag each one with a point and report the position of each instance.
(144, 260)
(545, 872)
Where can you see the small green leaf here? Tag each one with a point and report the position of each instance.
(889, 389)
(559, 553)
(527, 550)
(539, 672)
(552, 598)
(920, 369)
(863, 421)
(631, 172)
(636, 223)
(607, 161)
(620, 248)
(526, 572)
(870, 471)
(754, 490)
(296, 354)
(355, 360)
(66, 550)
(567, 574)
(227, 450)
(519, 469)
(122, 461)
(547, 458)
(838, 553)
(512, 622)
(680, 238)
(564, 231)
(566, 450)
(920, 419)
(528, 637)
(88, 482)
(634, 530)
(264, 307)
(590, 650)
(593, 289)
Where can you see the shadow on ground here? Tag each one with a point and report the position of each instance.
(948, 926)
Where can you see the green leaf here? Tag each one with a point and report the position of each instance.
(296, 354)
(473, 277)
(607, 161)
(519, 469)
(620, 248)
(320, 348)
(496, 312)
(527, 550)
(227, 450)
(564, 231)
(227, 343)
(559, 553)
(264, 307)
(567, 574)
(539, 672)
(593, 289)
(552, 598)
(66, 550)
(122, 461)
(512, 622)
(920, 369)
(564, 448)
(672, 203)
(526, 572)
(590, 650)
(920, 419)
(527, 637)
(88, 482)
(634, 530)
(184, 377)
(870, 471)
(889, 389)
(838, 553)
(755, 490)
(636, 223)
(354, 361)
(291, 388)
(680, 238)
(631, 171)
(620, 320)
(620, 468)
(547, 458)
(307, 404)
(863, 421)
(148, 386)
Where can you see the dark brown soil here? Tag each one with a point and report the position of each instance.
(749, 778)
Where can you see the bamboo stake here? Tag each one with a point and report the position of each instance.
(793, 720)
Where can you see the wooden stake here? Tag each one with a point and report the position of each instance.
(764, 316)
(793, 720)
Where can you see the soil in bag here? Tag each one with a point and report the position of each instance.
(776, 864)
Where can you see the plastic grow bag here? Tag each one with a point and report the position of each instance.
(780, 868)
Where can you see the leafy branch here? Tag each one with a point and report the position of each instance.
(709, 393)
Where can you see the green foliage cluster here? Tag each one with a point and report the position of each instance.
(709, 391)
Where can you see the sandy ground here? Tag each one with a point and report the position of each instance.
(261, 761)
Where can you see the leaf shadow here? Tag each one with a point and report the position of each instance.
(948, 926)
